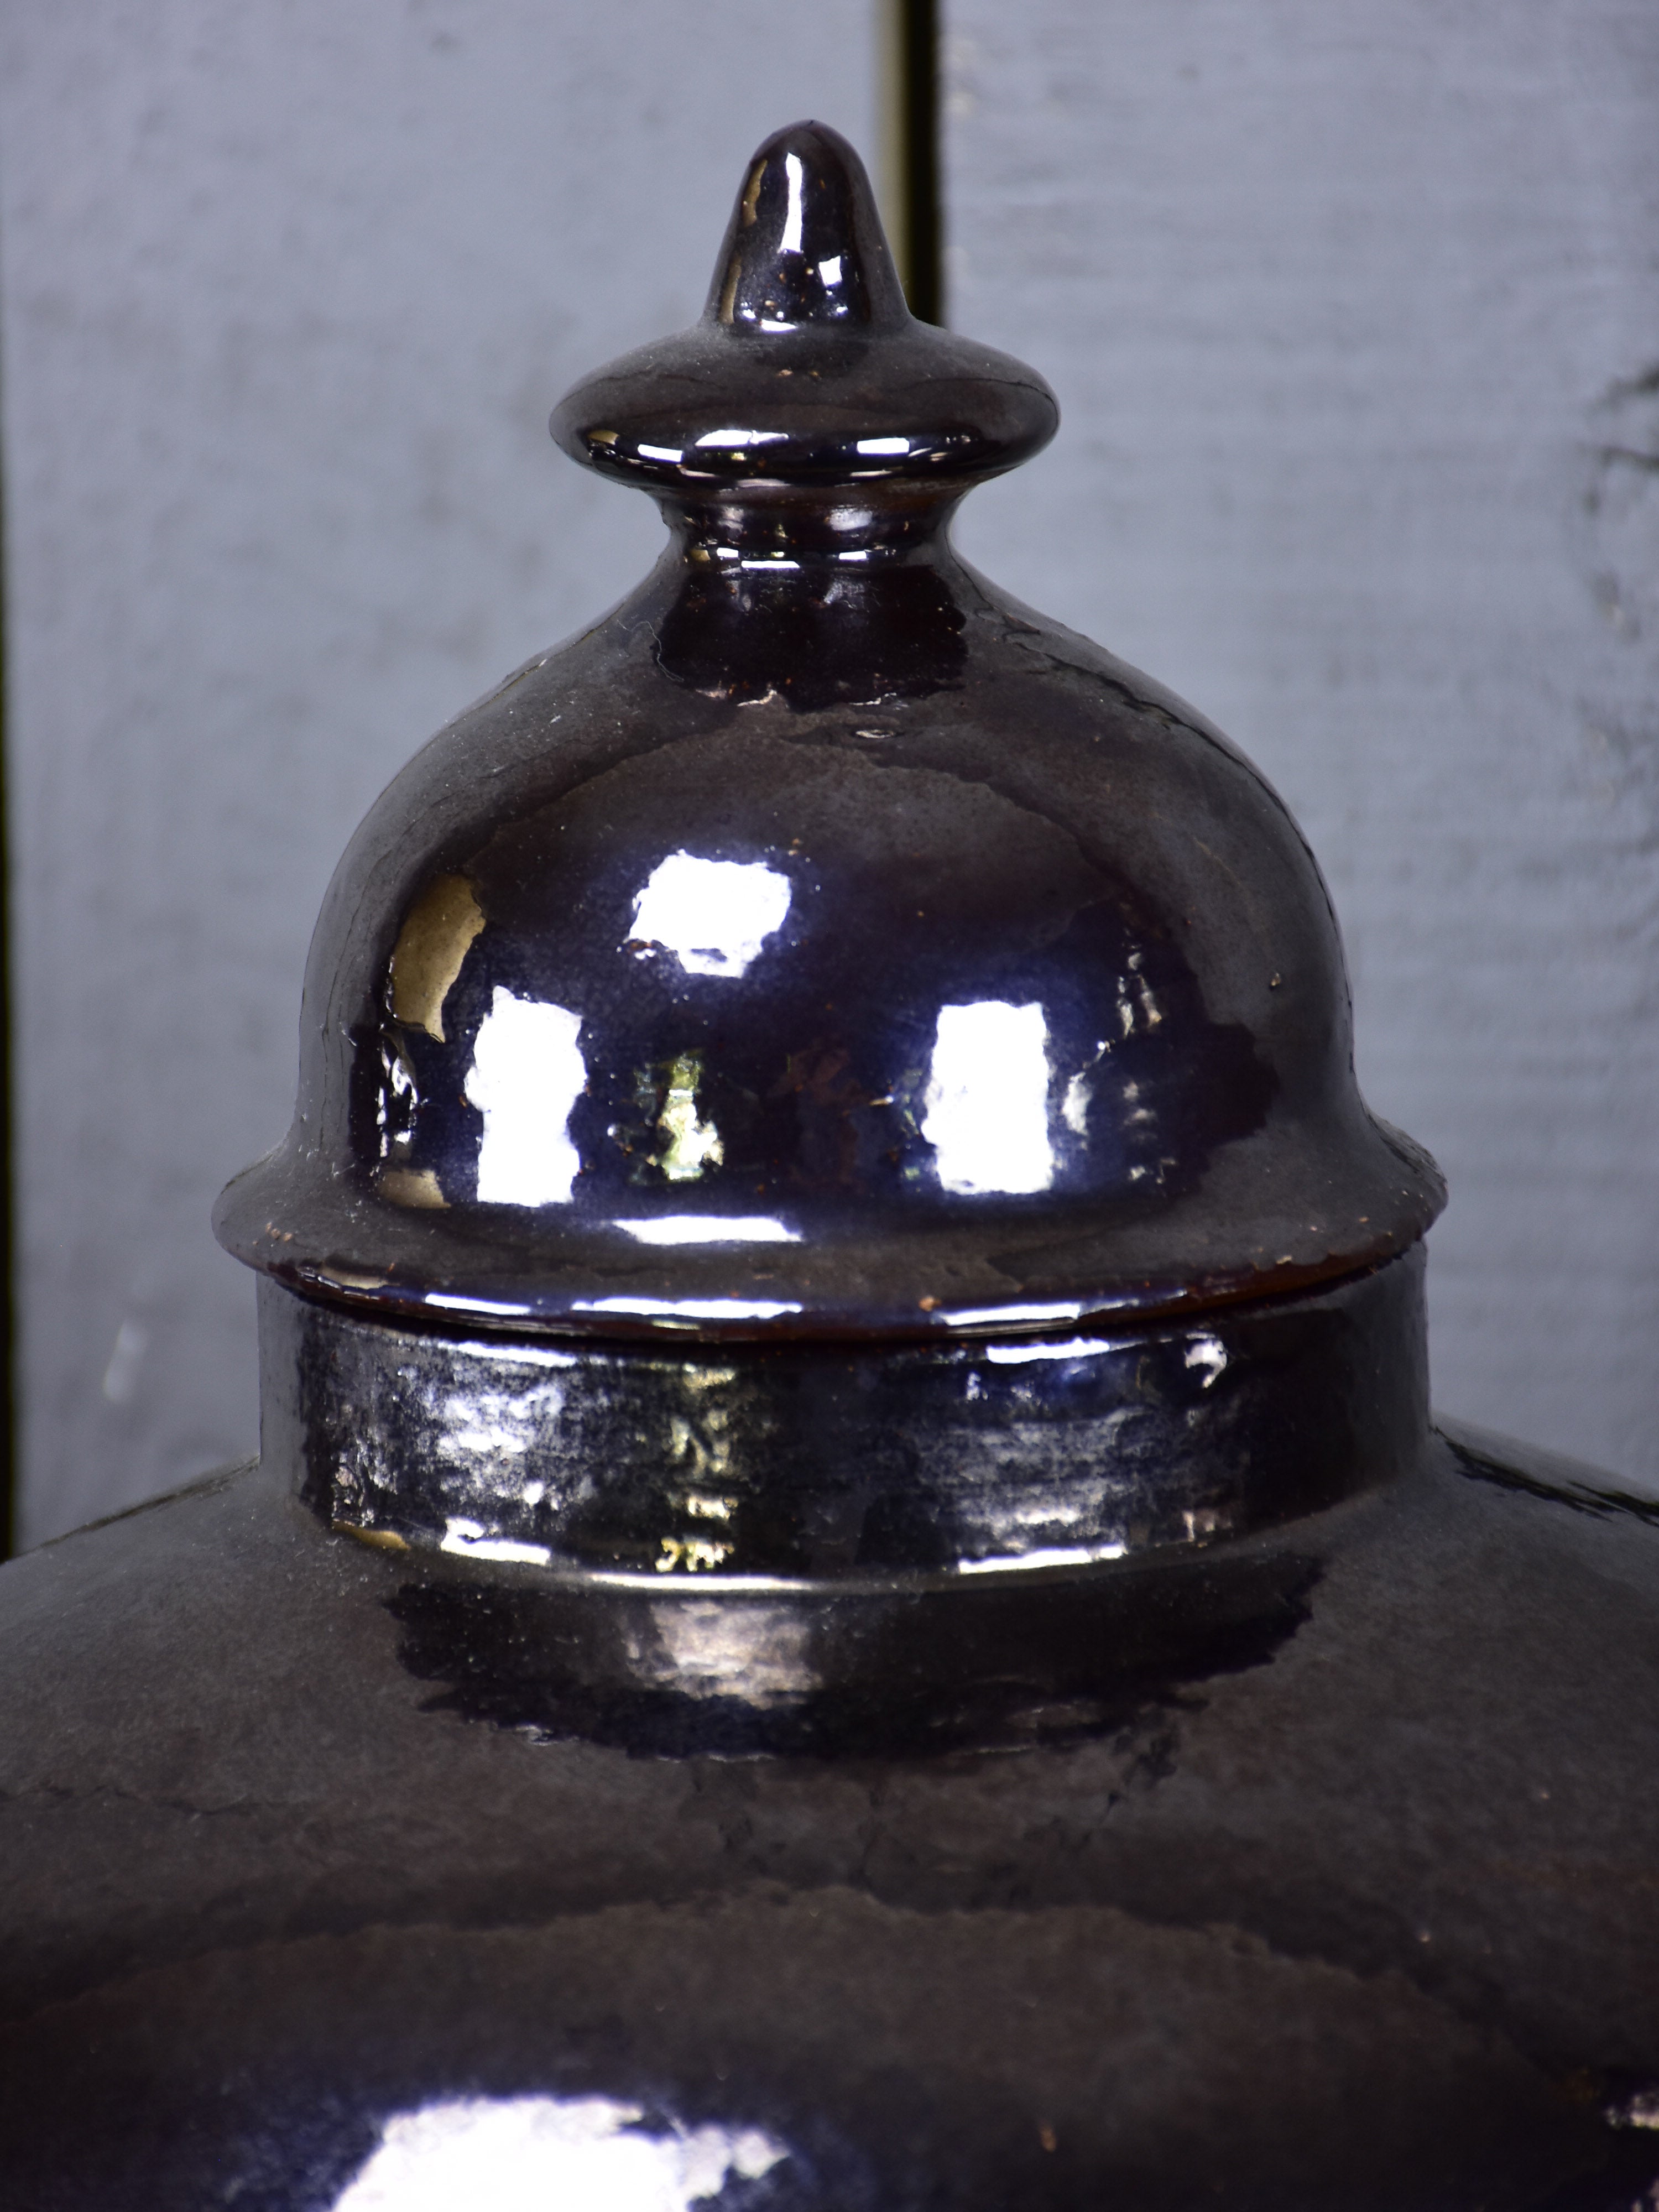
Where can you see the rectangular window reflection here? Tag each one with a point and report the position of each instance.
(525, 1077)
(987, 1114)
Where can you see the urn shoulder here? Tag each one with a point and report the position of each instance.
(314, 1888)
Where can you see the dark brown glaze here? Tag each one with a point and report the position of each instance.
(835, 1466)
(1021, 999)
(851, 1605)
(1314, 1874)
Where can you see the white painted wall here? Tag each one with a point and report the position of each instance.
(287, 289)
(1345, 301)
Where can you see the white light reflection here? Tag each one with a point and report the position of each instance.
(976, 1316)
(1079, 1555)
(794, 175)
(1023, 1355)
(709, 1229)
(470, 1539)
(883, 446)
(551, 2154)
(713, 915)
(474, 1305)
(988, 1100)
(1209, 1353)
(690, 1308)
(504, 1424)
(527, 1075)
(1074, 1109)
(716, 1650)
(736, 440)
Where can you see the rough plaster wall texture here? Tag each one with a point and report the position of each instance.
(288, 292)
(1353, 313)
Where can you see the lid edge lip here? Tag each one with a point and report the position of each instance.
(1164, 1310)
(315, 1233)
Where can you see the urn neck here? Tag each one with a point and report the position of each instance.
(778, 531)
(836, 1468)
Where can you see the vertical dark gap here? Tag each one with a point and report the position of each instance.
(921, 248)
(9, 1497)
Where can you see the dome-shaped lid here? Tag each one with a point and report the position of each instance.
(824, 943)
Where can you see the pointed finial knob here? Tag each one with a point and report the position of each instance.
(805, 244)
(807, 371)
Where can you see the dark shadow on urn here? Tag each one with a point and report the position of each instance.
(846, 640)
(1592, 1498)
(907, 1676)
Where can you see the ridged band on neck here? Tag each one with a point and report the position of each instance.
(842, 1467)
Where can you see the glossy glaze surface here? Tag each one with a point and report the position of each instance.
(842, 1466)
(850, 1601)
(823, 944)
(1330, 1886)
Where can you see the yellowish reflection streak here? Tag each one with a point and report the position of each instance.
(694, 1144)
(435, 938)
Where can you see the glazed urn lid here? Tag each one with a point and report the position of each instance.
(822, 944)
(873, 1616)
